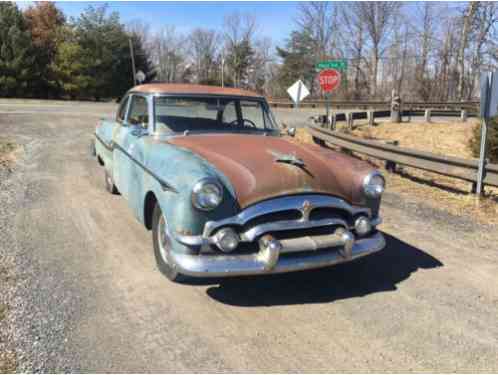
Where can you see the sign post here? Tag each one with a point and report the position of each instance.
(489, 108)
(330, 78)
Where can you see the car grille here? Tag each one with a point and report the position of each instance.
(289, 217)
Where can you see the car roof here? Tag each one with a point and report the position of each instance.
(191, 89)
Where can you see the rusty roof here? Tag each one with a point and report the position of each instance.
(183, 88)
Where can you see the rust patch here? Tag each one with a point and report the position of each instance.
(179, 88)
(250, 164)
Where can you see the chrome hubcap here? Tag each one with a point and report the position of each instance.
(163, 239)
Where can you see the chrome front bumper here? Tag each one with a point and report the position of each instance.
(276, 259)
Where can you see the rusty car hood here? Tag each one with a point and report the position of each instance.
(262, 167)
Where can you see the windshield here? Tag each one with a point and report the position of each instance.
(178, 114)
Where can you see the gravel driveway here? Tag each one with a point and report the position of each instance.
(83, 293)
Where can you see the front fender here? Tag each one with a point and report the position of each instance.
(181, 169)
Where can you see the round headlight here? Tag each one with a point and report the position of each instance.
(207, 194)
(373, 185)
(227, 240)
(362, 225)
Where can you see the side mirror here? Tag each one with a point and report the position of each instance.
(291, 132)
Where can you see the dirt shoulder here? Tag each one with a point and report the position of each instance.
(8, 155)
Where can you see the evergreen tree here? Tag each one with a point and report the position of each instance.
(16, 53)
(142, 58)
(298, 60)
(105, 53)
(68, 64)
(492, 141)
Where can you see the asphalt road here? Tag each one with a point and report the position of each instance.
(89, 297)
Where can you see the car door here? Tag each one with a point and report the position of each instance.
(129, 155)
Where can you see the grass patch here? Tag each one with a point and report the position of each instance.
(3, 311)
(6, 147)
(7, 153)
(7, 363)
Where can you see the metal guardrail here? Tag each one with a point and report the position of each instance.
(471, 106)
(371, 115)
(463, 169)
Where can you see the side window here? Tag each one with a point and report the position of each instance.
(122, 109)
(229, 113)
(138, 114)
(252, 113)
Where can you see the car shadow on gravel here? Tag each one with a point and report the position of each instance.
(378, 272)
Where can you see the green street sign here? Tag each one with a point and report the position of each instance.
(332, 64)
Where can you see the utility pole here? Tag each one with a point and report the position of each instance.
(223, 68)
(133, 63)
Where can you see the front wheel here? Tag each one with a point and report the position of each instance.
(109, 183)
(162, 246)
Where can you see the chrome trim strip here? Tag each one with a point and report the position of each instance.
(265, 261)
(165, 186)
(275, 226)
(106, 146)
(294, 202)
(251, 234)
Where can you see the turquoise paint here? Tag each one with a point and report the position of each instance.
(178, 167)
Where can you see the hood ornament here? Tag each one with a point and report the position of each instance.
(287, 158)
(306, 209)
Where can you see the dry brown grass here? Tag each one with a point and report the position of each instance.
(7, 363)
(444, 138)
(8, 151)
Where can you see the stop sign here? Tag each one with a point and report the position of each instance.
(330, 79)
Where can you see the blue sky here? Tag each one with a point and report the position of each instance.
(275, 19)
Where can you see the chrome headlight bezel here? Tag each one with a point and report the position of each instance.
(200, 187)
(371, 187)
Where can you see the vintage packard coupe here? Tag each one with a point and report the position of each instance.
(227, 192)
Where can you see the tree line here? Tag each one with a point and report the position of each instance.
(44, 55)
(424, 51)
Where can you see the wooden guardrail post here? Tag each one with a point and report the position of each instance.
(463, 115)
(333, 121)
(427, 115)
(349, 120)
(395, 107)
(371, 118)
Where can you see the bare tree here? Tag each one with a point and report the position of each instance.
(318, 19)
(169, 54)
(351, 42)
(204, 46)
(464, 35)
(485, 18)
(378, 18)
(263, 59)
(424, 37)
(239, 33)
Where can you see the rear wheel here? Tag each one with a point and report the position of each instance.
(109, 183)
(162, 246)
